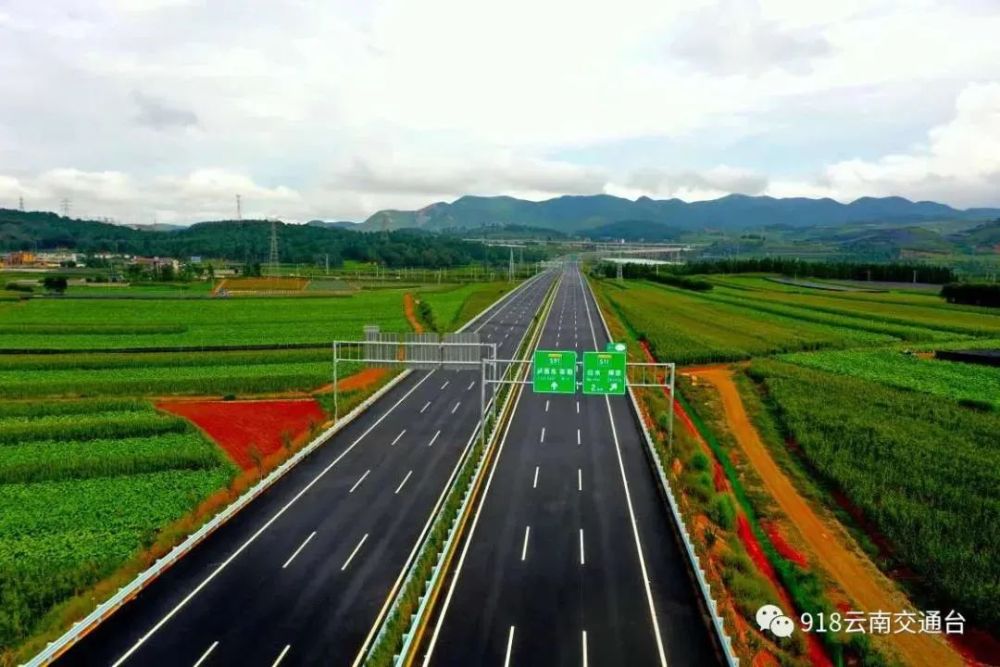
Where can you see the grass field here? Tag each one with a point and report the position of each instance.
(454, 306)
(83, 486)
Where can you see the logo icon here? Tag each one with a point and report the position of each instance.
(770, 617)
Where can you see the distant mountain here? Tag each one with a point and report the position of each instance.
(579, 214)
(156, 227)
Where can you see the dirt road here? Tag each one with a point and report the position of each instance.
(853, 571)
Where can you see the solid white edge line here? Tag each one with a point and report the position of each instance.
(510, 644)
(524, 547)
(360, 479)
(475, 521)
(260, 531)
(281, 656)
(296, 552)
(628, 501)
(353, 553)
(400, 487)
(204, 656)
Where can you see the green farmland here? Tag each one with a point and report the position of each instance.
(84, 485)
(908, 440)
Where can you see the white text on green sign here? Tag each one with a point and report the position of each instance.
(554, 372)
(604, 372)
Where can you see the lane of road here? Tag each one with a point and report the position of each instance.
(302, 573)
(572, 557)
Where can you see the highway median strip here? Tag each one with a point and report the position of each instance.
(399, 636)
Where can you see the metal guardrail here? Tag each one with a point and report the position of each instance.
(725, 642)
(55, 648)
(437, 570)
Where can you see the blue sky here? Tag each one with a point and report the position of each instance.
(166, 109)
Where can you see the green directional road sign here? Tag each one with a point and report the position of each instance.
(604, 372)
(554, 372)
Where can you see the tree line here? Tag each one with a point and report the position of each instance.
(249, 242)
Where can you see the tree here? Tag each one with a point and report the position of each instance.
(55, 284)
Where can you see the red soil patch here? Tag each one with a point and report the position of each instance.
(781, 545)
(238, 426)
(410, 306)
(362, 379)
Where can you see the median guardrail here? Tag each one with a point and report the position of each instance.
(383, 650)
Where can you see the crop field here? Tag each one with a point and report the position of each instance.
(924, 470)
(908, 441)
(263, 377)
(690, 329)
(84, 485)
(970, 383)
(115, 323)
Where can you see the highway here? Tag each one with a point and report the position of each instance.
(303, 573)
(571, 558)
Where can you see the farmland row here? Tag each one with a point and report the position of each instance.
(968, 383)
(921, 469)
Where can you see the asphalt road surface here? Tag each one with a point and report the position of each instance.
(572, 557)
(301, 575)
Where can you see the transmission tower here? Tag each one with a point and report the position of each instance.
(20, 203)
(620, 272)
(272, 260)
(65, 206)
(510, 266)
(239, 208)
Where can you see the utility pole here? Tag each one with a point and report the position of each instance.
(273, 257)
(510, 266)
(239, 207)
(327, 263)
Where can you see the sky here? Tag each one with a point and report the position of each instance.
(165, 110)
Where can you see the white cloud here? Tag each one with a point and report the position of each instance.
(959, 162)
(734, 37)
(339, 108)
